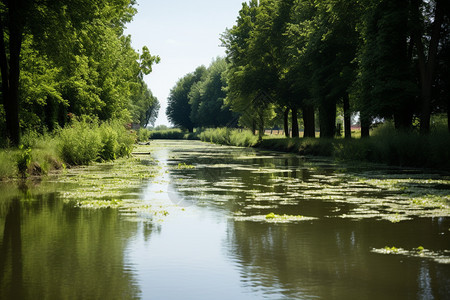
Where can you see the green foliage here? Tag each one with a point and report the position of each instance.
(8, 164)
(85, 141)
(80, 142)
(227, 136)
(306, 146)
(23, 160)
(74, 60)
(206, 98)
(168, 134)
(143, 135)
(387, 146)
(178, 108)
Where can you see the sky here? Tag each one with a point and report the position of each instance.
(184, 33)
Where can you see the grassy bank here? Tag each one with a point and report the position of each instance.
(231, 137)
(80, 143)
(386, 146)
(165, 134)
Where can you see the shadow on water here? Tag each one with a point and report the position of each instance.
(51, 250)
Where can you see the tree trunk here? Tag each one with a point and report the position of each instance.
(11, 71)
(327, 118)
(295, 131)
(427, 65)
(448, 113)
(254, 127)
(365, 125)
(286, 122)
(309, 122)
(261, 126)
(403, 119)
(347, 117)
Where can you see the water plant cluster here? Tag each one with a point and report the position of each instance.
(440, 257)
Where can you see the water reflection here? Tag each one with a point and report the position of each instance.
(329, 259)
(201, 249)
(51, 250)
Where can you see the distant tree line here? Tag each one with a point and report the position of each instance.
(198, 99)
(64, 58)
(309, 59)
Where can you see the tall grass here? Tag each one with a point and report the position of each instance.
(227, 136)
(8, 165)
(386, 145)
(85, 141)
(82, 142)
(167, 134)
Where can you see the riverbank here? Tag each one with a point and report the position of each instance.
(81, 143)
(398, 149)
(386, 146)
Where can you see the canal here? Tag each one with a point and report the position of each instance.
(190, 220)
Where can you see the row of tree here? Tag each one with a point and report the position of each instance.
(63, 58)
(381, 59)
(385, 59)
(197, 99)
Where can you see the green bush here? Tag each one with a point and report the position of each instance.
(227, 136)
(85, 141)
(143, 135)
(23, 160)
(80, 142)
(168, 134)
(109, 142)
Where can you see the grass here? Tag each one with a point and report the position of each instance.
(167, 134)
(231, 137)
(386, 145)
(80, 143)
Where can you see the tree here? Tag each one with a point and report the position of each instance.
(144, 107)
(206, 98)
(241, 76)
(18, 17)
(427, 20)
(77, 60)
(178, 108)
(387, 85)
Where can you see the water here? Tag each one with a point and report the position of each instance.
(206, 235)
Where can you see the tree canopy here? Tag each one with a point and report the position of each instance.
(62, 58)
(198, 99)
(382, 59)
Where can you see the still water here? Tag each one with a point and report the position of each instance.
(216, 222)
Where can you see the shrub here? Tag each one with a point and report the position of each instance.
(227, 136)
(85, 141)
(168, 134)
(109, 142)
(143, 135)
(80, 143)
(23, 160)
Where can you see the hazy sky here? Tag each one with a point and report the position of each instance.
(184, 33)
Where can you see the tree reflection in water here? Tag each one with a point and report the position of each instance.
(51, 250)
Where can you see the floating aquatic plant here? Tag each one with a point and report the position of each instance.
(185, 166)
(442, 257)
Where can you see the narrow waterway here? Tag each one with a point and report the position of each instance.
(217, 222)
